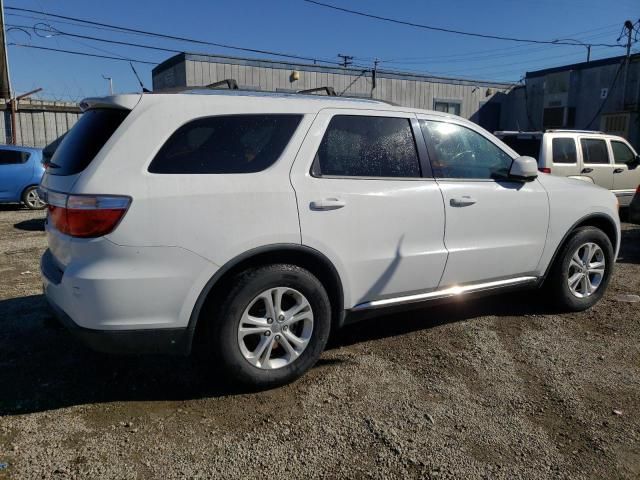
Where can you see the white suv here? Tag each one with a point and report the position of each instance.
(247, 226)
(606, 160)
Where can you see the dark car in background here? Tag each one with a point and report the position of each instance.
(634, 208)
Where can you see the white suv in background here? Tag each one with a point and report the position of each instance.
(247, 226)
(606, 160)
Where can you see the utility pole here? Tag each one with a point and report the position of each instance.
(346, 60)
(629, 26)
(110, 83)
(5, 79)
(588, 53)
(373, 75)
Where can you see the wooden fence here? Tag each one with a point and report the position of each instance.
(38, 122)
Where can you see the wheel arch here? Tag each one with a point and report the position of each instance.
(599, 220)
(306, 257)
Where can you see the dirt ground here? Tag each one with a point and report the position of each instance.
(501, 387)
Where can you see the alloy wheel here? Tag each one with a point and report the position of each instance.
(275, 328)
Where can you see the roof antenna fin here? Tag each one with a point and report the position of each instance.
(144, 90)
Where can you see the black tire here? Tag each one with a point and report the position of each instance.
(28, 201)
(222, 345)
(557, 281)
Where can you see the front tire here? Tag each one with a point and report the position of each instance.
(31, 199)
(271, 327)
(582, 270)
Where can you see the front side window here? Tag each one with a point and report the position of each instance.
(564, 150)
(594, 151)
(622, 153)
(226, 144)
(447, 107)
(13, 157)
(463, 153)
(364, 146)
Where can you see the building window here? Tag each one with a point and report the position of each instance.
(447, 106)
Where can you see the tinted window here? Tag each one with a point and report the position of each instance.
(359, 146)
(226, 144)
(463, 153)
(564, 150)
(594, 151)
(83, 142)
(622, 153)
(529, 146)
(13, 157)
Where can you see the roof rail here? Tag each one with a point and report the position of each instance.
(328, 90)
(571, 130)
(229, 82)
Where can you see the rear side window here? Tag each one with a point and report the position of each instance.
(13, 157)
(529, 146)
(594, 151)
(564, 150)
(226, 144)
(363, 146)
(83, 142)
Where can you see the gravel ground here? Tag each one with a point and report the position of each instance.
(496, 388)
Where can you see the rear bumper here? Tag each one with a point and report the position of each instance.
(166, 341)
(125, 299)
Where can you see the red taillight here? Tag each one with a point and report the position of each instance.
(85, 216)
(544, 170)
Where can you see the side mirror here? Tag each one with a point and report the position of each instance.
(634, 163)
(524, 169)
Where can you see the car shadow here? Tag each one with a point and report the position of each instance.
(31, 225)
(43, 367)
(630, 247)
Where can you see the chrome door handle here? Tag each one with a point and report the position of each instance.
(327, 204)
(587, 170)
(618, 170)
(463, 201)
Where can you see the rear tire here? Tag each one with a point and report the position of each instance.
(270, 328)
(582, 270)
(31, 199)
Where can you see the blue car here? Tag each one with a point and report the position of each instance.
(21, 169)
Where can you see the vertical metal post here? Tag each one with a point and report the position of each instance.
(629, 26)
(588, 53)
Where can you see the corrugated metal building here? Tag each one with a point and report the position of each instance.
(598, 95)
(480, 101)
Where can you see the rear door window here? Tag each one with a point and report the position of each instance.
(83, 142)
(594, 151)
(13, 157)
(226, 144)
(564, 150)
(367, 146)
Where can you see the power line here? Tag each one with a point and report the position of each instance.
(173, 37)
(56, 32)
(449, 30)
(73, 52)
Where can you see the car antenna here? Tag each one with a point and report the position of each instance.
(144, 90)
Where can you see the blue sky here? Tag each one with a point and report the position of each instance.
(294, 26)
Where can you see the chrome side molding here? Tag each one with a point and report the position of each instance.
(444, 293)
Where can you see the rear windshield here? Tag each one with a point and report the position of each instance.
(83, 142)
(524, 146)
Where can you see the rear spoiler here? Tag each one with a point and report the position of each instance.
(123, 102)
